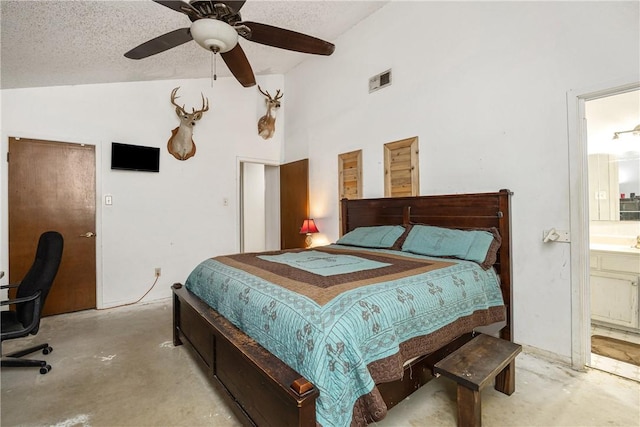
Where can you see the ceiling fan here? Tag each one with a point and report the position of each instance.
(216, 24)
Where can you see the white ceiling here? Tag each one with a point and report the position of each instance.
(52, 43)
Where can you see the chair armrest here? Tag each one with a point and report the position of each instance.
(34, 322)
(10, 286)
(21, 300)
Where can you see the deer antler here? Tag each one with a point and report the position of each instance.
(263, 92)
(205, 105)
(268, 95)
(173, 100)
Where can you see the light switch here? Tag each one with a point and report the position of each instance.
(108, 200)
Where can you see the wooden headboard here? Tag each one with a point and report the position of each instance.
(463, 211)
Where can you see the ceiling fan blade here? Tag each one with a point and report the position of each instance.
(239, 66)
(180, 6)
(160, 44)
(287, 39)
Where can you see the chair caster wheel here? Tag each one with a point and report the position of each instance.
(45, 369)
(47, 350)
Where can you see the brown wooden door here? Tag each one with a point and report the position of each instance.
(294, 203)
(52, 186)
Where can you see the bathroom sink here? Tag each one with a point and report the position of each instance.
(628, 249)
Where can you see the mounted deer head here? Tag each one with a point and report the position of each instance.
(267, 123)
(181, 144)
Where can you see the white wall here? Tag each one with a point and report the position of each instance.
(483, 85)
(172, 219)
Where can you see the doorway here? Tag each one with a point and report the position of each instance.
(602, 288)
(613, 159)
(259, 206)
(52, 186)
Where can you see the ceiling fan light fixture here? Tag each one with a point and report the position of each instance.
(214, 35)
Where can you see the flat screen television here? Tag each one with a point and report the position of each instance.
(135, 157)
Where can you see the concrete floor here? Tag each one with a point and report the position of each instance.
(118, 367)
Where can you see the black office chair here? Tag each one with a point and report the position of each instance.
(30, 298)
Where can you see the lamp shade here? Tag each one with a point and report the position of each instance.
(308, 227)
(214, 35)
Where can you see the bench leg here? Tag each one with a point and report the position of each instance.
(506, 379)
(469, 410)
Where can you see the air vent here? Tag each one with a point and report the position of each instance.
(379, 81)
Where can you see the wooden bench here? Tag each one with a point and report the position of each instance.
(472, 366)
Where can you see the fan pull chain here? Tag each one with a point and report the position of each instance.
(214, 58)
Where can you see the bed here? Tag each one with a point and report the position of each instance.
(264, 390)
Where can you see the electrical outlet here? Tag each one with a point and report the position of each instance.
(158, 271)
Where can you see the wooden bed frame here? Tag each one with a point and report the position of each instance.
(264, 391)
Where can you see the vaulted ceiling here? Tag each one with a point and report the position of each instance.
(52, 43)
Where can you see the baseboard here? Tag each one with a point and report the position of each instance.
(125, 303)
(549, 356)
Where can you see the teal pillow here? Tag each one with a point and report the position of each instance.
(480, 246)
(381, 236)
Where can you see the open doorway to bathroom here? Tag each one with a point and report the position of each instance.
(613, 151)
(259, 209)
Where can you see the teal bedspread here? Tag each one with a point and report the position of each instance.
(329, 327)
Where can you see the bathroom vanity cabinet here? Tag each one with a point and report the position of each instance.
(614, 287)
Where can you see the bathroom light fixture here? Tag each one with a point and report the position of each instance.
(635, 131)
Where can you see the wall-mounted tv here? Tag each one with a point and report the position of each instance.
(135, 157)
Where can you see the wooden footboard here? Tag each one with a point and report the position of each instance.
(260, 388)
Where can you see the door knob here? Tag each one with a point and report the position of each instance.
(88, 234)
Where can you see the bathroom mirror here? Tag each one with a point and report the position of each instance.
(613, 145)
(629, 185)
(614, 186)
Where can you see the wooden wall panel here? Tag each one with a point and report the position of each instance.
(401, 170)
(350, 175)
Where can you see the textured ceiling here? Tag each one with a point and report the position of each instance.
(52, 43)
